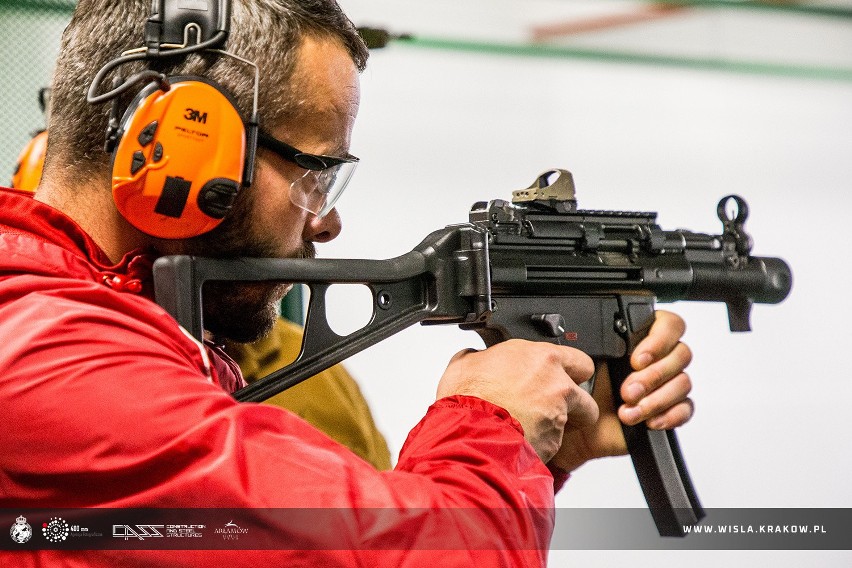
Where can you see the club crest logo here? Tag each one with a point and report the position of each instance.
(55, 530)
(21, 531)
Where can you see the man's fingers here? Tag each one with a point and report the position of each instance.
(665, 333)
(658, 402)
(583, 411)
(675, 416)
(641, 383)
(576, 364)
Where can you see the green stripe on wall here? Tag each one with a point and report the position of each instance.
(39, 6)
(697, 63)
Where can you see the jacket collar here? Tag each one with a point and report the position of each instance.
(21, 214)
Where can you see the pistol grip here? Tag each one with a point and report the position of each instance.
(656, 454)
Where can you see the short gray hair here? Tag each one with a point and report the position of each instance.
(266, 32)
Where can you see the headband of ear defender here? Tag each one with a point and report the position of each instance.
(179, 159)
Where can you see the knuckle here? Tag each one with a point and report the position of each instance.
(690, 404)
(569, 393)
(679, 415)
(677, 323)
(551, 361)
(553, 446)
(686, 353)
(687, 381)
(655, 376)
(550, 355)
(681, 324)
(560, 420)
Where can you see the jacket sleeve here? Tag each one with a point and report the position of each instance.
(111, 407)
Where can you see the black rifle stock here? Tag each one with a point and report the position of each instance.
(536, 269)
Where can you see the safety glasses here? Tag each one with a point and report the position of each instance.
(324, 181)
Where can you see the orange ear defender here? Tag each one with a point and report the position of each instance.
(180, 158)
(30, 163)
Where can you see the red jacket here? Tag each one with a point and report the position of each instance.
(106, 402)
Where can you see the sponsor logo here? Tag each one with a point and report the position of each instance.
(140, 532)
(78, 531)
(231, 531)
(185, 531)
(21, 531)
(55, 530)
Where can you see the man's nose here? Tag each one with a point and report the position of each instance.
(322, 230)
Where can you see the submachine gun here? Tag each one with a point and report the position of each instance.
(536, 268)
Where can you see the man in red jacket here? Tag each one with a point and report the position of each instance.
(108, 403)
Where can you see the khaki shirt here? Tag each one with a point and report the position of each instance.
(331, 400)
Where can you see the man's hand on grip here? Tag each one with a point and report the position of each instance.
(535, 382)
(656, 392)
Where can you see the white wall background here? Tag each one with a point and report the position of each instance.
(439, 130)
(29, 44)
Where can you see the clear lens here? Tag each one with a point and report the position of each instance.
(318, 191)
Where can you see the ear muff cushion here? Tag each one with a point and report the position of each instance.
(30, 163)
(179, 161)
